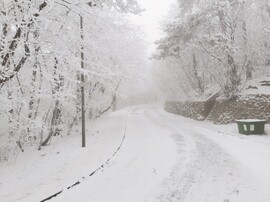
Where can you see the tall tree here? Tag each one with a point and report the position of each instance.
(213, 44)
(42, 95)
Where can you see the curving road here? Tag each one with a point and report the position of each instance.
(170, 158)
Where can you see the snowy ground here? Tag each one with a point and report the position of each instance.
(163, 157)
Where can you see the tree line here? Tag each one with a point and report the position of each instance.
(212, 44)
(40, 72)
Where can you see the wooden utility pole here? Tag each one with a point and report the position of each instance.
(82, 83)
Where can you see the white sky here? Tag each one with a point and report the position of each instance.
(155, 12)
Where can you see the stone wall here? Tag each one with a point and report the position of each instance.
(242, 107)
(224, 111)
(194, 110)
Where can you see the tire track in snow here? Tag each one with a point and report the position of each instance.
(181, 178)
(177, 186)
(217, 173)
(213, 174)
(100, 168)
(204, 168)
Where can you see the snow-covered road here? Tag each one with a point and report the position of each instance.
(164, 157)
(169, 158)
(220, 167)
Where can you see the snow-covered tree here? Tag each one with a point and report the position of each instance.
(40, 73)
(216, 43)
